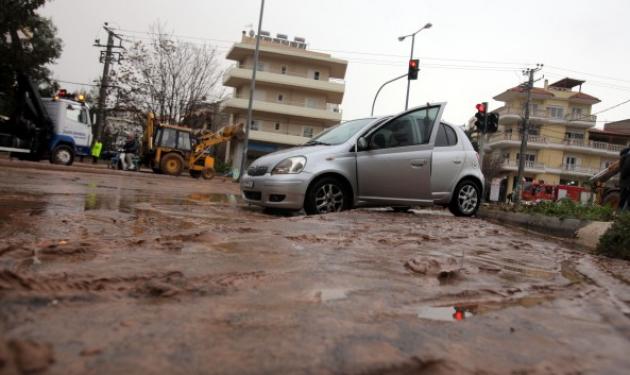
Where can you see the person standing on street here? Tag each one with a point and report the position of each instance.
(129, 150)
(96, 151)
(624, 179)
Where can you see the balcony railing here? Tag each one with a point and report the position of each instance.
(578, 169)
(299, 103)
(539, 113)
(580, 143)
(528, 164)
(287, 72)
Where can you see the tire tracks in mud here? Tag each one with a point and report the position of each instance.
(156, 284)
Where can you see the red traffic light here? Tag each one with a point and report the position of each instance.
(480, 107)
(413, 64)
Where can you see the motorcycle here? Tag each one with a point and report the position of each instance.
(115, 162)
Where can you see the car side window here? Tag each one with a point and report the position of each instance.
(410, 129)
(441, 140)
(446, 136)
(451, 135)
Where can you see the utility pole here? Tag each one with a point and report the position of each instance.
(106, 58)
(518, 188)
(252, 88)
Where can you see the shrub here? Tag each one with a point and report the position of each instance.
(615, 242)
(566, 208)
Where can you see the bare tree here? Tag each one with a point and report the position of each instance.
(166, 76)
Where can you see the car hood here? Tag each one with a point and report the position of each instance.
(270, 160)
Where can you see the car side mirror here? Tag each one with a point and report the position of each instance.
(362, 144)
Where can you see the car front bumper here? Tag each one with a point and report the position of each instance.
(285, 191)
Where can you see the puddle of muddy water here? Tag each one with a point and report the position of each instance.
(447, 314)
(215, 198)
(331, 294)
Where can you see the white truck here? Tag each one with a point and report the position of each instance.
(68, 133)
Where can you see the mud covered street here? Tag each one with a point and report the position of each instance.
(141, 273)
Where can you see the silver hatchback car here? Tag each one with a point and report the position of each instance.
(410, 159)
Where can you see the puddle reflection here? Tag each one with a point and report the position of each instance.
(446, 314)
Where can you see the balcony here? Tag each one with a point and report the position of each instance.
(278, 138)
(536, 141)
(572, 169)
(534, 167)
(530, 166)
(239, 76)
(543, 115)
(328, 115)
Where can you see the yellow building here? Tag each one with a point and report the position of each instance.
(559, 149)
(297, 93)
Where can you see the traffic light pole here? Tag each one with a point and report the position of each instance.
(380, 88)
(482, 136)
(413, 42)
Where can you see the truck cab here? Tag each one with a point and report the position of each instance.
(72, 134)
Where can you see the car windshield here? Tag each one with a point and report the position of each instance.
(340, 133)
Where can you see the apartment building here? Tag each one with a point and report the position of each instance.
(297, 95)
(563, 145)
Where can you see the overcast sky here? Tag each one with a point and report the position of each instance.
(474, 51)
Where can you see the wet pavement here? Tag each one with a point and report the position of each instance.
(140, 273)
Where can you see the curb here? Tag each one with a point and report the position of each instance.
(583, 232)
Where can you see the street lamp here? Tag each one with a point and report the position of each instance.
(413, 41)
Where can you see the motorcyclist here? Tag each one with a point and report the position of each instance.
(129, 150)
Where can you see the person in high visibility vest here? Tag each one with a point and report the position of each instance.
(96, 151)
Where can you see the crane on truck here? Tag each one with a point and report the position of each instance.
(57, 128)
(170, 149)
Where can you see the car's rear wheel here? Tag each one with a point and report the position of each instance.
(466, 199)
(325, 196)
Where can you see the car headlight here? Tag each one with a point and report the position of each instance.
(291, 165)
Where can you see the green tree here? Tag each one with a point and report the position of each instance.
(37, 34)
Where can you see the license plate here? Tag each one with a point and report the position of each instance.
(248, 184)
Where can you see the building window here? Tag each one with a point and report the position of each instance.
(555, 112)
(307, 131)
(576, 113)
(280, 97)
(255, 125)
(570, 162)
(316, 75)
(277, 126)
(530, 159)
(283, 69)
(311, 103)
(260, 67)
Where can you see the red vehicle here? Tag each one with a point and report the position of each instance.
(539, 191)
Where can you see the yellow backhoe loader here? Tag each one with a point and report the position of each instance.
(170, 149)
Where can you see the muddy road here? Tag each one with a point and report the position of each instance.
(139, 273)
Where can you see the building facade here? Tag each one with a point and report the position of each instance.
(563, 145)
(297, 95)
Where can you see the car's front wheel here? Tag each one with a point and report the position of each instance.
(325, 196)
(62, 154)
(466, 199)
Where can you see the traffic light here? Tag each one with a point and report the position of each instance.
(480, 116)
(493, 123)
(414, 67)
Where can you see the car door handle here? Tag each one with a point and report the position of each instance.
(417, 163)
(457, 161)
